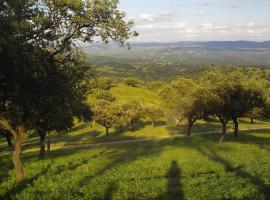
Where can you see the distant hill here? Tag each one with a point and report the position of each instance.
(241, 44)
(167, 60)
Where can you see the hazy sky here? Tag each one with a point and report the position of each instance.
(179, 20)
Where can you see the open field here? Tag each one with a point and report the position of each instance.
(191, 168)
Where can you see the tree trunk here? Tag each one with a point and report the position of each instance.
(49, 143)
(190, 124)
(236, 126)
(223, 132)
(8, 137)
(132, 125)
(42, 136)
(251, 120)
(16, 157)
(153, 124)
(107, 131)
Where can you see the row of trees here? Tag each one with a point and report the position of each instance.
(43, 82)
(109, 114)
(215, 95)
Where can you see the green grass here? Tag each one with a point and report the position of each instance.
(184, 168)
(124, 93)
(196, 168)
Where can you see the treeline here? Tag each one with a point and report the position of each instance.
(223, 96)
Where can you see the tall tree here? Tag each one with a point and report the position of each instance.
(37, 36)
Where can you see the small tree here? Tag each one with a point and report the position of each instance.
(179, 96)
(104, 83)
(154, 113)
(134, 111)
(107, 115)
(132, 82)
(255, 113)
(105, 95)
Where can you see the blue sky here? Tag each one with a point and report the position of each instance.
(199, 20)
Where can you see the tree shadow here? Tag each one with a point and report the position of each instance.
(19, 187)
(112, 187)
(181, 129)
(119, 158)
(263, 188)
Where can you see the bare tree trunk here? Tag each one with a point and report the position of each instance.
(153, 124)
(8, 136)
(251, 120)
(107, 131)
(236, 127)
(42, 136)
(132, 125)
(223, 132)
(16, 157)
(189, 129)
(224, 128)
(190, 124)
(49, 143)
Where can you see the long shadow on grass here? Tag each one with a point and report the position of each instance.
(19, 187)
(112, 187)
(238, 170)
(174, 187)
(51, 169)
(130, 154)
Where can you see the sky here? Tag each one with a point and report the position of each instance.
(199, 20)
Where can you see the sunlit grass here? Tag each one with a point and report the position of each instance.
(197, 168)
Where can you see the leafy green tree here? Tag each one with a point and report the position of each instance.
(105, 95)
(155, 85)
(154, 113)
(132, 82)
(179, 96)
(104, 83)
(255, 113)
(134, 110)
(107, 114)
(41, 37)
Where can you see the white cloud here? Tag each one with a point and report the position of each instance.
(202, 13)
(235, 4)
(153, 17)
(208, 2)
(180, 25)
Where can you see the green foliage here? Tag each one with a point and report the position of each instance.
(108, 115)
(104, 83)
(133, 82)
(155, 85)
(105, 95)
(153, 112)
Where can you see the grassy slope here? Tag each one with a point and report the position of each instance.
(196, 168)
(84, 134)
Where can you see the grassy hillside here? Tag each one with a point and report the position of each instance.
(166, 167)
(196, 168)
